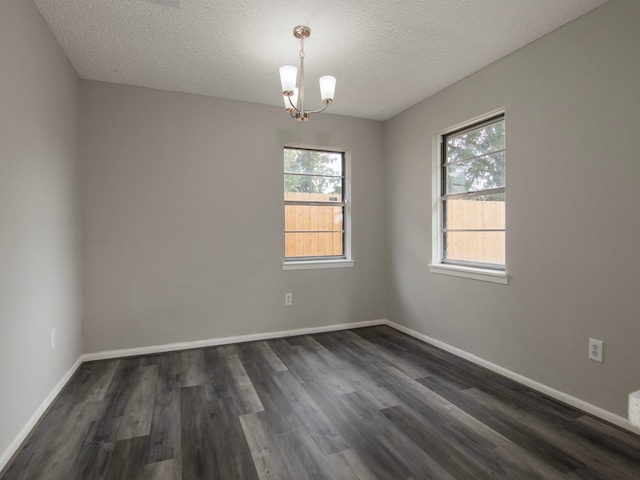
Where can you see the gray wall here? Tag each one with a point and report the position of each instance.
(182, 219)
(573, 211)
(39, 268)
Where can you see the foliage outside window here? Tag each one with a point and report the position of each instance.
(473, 195)
(314, 207)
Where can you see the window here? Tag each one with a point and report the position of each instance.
(314, 205)
(472, 197)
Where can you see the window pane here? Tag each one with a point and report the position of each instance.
(482, 212)
(306, 217)
(312, 162)
(475, 175)
(476, 247)
(313, 244)
(480, 141)
(313, 189)
(314, 176)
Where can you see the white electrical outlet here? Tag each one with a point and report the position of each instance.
(288, 298)
(53, 338)
(595, 350)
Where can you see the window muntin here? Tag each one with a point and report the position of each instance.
(473, 195)
(314, 186)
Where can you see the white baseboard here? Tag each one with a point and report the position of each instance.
(13, 447)
(551, 392)
(212, 342)
(35, 418)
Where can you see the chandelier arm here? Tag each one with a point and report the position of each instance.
(326, 104)
(292, 105)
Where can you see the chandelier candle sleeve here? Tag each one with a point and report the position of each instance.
(288, 76)
(327, 88)
(293, 94)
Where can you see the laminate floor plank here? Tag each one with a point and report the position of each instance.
(168, 363)
(128, 459)
(320, 371)
(266, 354)
(364, 362)
(464, 372)
(571, 434)
(116, 398)
(419, 462)
(93, 456)
(96, 377)
(217, 378)
(347, 465)
(199, 457)
(305, 459)
(287, 356)
(267, 457)
(363, 404)
(280, 416)
(165, 470)
(460, 371)
(244, 393)
(411, 369)
(379, 397)
(606, 436)
(586, 473)
(563, 440)
(165, 430)
(457, 423)
(363, 441)
(51, 456)
(294, 341)
(451, 422)
(35, 451)
(519, 434)
(68, 440)
(322, 431)
(247, 352)
(138, 412)
(229, 442)
(193, 367)
(457, 463)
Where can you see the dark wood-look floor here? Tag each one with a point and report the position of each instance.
(358, 404)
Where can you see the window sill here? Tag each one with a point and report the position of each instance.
(482, 274)
(316, 264)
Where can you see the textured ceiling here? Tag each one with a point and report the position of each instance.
(386, 55)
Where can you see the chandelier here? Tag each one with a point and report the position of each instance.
(294, 97)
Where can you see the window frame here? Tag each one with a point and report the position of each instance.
(440, 265)
(333, 261)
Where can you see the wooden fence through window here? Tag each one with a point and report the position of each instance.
(485, 247)
(326, 221)
(488, 247)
